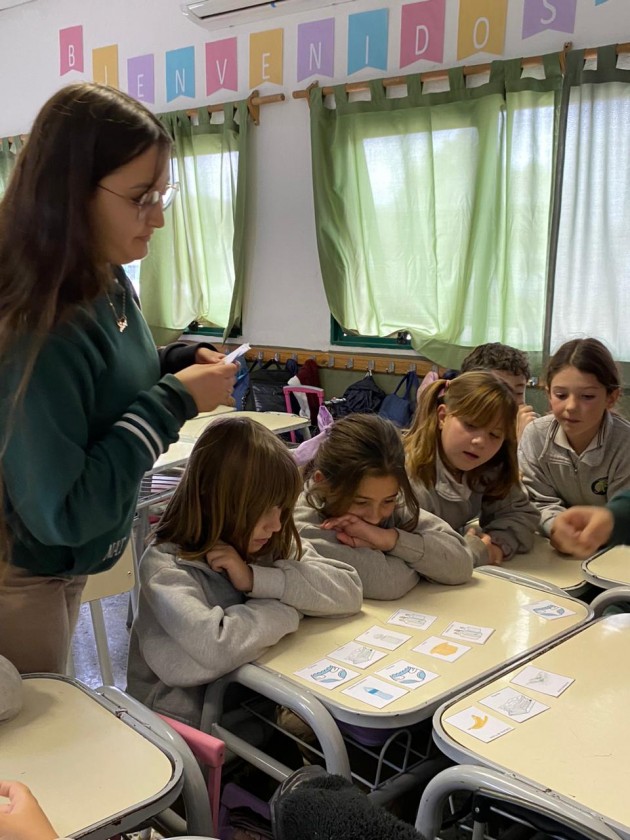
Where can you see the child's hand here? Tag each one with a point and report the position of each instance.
(22, 818)
(581, 531)
(495, 554)
(524, 417)
(357, 533)
(224, 558)
(206, 356)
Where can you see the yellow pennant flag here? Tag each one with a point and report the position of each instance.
(481, 27)
(265, 57)
(105, 65)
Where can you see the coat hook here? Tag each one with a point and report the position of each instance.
(350, 363)
(276, 357)
(294, 357)
(331, 361)
(370, 365)
(391, 367)
(260, 356)
(412, 367)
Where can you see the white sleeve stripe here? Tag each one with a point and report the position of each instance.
(148, 428)
(155, 455)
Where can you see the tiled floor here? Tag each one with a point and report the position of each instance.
(84, 648)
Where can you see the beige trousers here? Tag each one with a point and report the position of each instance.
(38, 615)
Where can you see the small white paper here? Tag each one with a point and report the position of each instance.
(361, 656)
(545, 682)
(412, 620)
(405, 674)
(375, 692)
(549, 610)
(381, 637)
(513, 704)
(327, 674)
(468, 632)
(442, 649)
(480, 725)
(236, 354)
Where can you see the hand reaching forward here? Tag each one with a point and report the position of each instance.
(356, 532)
(224, 558)
(22, 818)
(581, 531)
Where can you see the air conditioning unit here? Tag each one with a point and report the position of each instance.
(222, 14)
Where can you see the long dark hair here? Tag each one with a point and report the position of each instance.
(588, 355)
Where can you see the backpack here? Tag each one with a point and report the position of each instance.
(241, 386)
(400, 409)
(265, 386)
(363, 397)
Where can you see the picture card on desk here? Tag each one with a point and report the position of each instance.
(358, 655)
(408, 675)
(549, 610)
(513, 704)
(468, 632)
(380, 637)
(477, 723)
(375, 692)
(327, 674)
(545, 682)
(412, 620)
(442, 649)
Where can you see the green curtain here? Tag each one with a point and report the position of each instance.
(195, 268)
(9, 149)
(591, 295)
(433, 210)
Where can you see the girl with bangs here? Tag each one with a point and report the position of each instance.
(461, 459)
(227, 575)
(358, 507)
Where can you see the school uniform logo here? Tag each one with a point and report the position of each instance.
(600, 486)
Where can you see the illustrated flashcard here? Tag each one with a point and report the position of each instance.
(412, 620)
(405, 674)
(477, 723)
(442, 649)
(381, 637)
(545, 682)
(327, 674)
(361, 656)
(549, 610)
(375, 692)
(513, 704)
(468, 632)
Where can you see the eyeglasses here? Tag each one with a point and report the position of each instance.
(149, 199)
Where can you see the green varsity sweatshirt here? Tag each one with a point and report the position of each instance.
(95, 417)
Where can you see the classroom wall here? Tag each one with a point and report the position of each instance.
(283, 255)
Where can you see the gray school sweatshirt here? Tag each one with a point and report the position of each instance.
(556, 478)
(193, 626)
(433, 551)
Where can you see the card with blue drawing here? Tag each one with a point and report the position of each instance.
(464, 632)
(548, 610)
(406, 675)
(442, 649)
(545, 682)
(375, 692)
(353, 653)
(412, 620)
(474, 721)
(381, 637)
(327, 674)
(514, 705)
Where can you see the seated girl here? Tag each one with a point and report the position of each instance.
(227, 575)
(358, 507)
(461, 459)
(580, 453)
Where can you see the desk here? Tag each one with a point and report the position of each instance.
(93, 772)
(544, 563)
(578, 749)
(609, 568)
(277, 422)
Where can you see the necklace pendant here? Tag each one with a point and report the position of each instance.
(122, 323)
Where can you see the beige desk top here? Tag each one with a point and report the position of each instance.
(610, 568)
(276, 421)
(82, 762)
(489, 600)
(579, 747)
(545, 563)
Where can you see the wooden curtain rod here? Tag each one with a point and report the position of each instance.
(254, 101)
(442, 75)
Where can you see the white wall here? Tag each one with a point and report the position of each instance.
(285, 302)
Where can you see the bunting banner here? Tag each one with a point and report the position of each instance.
(265, 57)
(221, 66)
(141, 78)
(316, 49)
(180, 73)
(367, 40)
(105, 65)
(422, 32)
(482, 26)
(539, 15)
(70, 49)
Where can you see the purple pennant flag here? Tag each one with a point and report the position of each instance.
(540, 15)
(141, 78)
(316, 49)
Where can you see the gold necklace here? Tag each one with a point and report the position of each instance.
(121, 320)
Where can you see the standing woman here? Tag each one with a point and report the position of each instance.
(84, 407)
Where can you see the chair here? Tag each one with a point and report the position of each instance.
(301, 389)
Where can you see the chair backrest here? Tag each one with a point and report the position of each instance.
(120, 578)
(301, 389)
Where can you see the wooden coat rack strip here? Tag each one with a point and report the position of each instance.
(333, 360)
